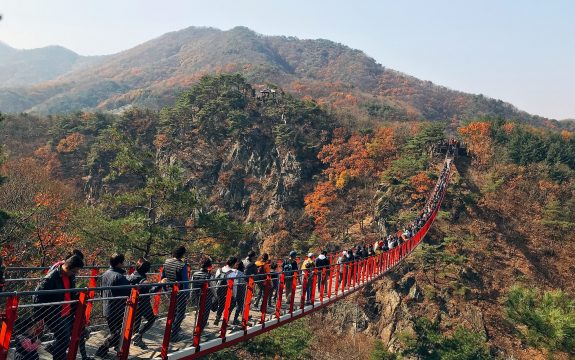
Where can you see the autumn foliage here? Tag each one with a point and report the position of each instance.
(70, 143)
(44, 207)
(351, 159)
(422, 184)
(478, 140)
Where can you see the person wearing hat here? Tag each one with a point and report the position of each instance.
(308, 266)
(322, 263)
(288, 267)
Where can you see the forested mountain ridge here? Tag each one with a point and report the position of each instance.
(34, 66)
(151, 74)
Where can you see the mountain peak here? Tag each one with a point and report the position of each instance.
(332, 73)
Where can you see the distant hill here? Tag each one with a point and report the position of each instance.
(29, 67)
(153, 73)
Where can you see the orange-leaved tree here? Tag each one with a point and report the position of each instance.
(477, 136)
(40, 208)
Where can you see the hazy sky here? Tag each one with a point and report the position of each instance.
(518, 51)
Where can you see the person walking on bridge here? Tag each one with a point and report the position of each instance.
(322, 263)
(239, 291)
(289, 266)
(263, 268)
(198, 279)
(59, 318)
(144, 308)
(249, 264)
(222, 286)
(308, 266)
(176, 270)
(114, 301)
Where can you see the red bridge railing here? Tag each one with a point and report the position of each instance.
(197, 305)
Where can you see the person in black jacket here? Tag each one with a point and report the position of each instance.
(198, 279)
(289, 266)
(114, 308)
(249, 264)
(321, 263)
(144, 308)
(176, 270)
(59, 317)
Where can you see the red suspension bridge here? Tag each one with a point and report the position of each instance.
(202, 335)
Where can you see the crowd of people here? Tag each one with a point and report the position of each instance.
(58, 315)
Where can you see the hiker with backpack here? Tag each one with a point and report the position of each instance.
(289, 266)
(176, 270)
(222, 275)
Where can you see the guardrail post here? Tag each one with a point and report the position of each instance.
(304, 288)
(8, 325)
(201, 313)
(128, 328)
(78, 326)
(344, 277)
(158, 296)
(365, 270)
(354, 273)
(170, 321)
(337, 279)
(368, 263)
(384, 261)
(92, 284)
(313, 286)
(247, 302)
(322, 283)
(359, 272)
(280, 295)
(266, 298)
(293, 288)
(227, 305)
(329, 285)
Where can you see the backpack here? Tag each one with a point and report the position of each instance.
(223, 277)
(197, 285)
(286, 265)
(260, 273)
(308, 265)
(222, 283)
